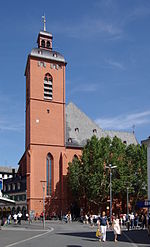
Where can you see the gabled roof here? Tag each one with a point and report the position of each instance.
(79, 128)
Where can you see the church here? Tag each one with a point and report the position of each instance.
(55, 132)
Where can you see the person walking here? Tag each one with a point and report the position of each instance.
(98, 232)
(19, 215)
(132, 220)
(116, 227)
(136, 221)
(103, 225)
(15, 218)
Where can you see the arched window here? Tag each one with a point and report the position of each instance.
(48, 87)
(48, 44)
(43, 43)
(49, 161)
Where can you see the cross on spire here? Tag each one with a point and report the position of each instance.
(44, 21)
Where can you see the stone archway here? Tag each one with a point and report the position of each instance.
(4, 212)
(18, 210)
(8, 211)
(13, 210)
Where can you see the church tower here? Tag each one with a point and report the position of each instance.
(45, 120)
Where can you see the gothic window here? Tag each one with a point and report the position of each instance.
(48, 87)
(43, 43)
(49, 161)
(48, 44)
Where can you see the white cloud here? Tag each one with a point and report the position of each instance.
(89, 28)
(124, 121)
(6, 126)
(115, 64)
(86, 88)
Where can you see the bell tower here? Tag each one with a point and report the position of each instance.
(45, 118)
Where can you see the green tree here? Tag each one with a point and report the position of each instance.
(89, 178)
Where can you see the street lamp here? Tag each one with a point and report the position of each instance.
(43, 186)
(110, 167)
(127, 201)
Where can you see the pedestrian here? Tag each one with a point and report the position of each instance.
(19, 215)
(9, 219)
(132, 220)
(91, 220)
(27, 216)
(128, 221)
(98, 232)
(86, 219)
(69, 218)
(136, 221)
(103, 225)
(124, 219)
(116, 227)
(143, 218)
(15, 218)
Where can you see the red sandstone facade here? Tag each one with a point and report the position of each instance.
(45, 128)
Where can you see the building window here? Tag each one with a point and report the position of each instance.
(77, 130)
(94, 130)
(18, 186)
(9, 187)
(13, 187)
(49, 161)
(70, 140)
(48, 44)
(43, 43)
(4, 187)
(54, 54)
(48, 87)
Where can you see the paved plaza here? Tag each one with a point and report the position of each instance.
(58, 233)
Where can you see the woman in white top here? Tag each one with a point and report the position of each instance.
(116, 227)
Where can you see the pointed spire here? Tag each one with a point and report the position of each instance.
(44, 22)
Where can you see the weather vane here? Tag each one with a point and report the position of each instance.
(44, 20)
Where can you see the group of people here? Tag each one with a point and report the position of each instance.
(68, 217)
(102, 224)
(116, 223)
(17, 218)
(8, 220)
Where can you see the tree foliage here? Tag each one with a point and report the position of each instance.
(88, 175)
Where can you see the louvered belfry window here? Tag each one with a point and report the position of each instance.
(48, 87)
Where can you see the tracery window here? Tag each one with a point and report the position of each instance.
(49, 162)
(48, 87)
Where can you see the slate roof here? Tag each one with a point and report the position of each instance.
(52, 55)
(79, 128)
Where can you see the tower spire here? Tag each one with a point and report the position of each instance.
(44, 21)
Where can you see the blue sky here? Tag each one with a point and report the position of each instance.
(106, 44)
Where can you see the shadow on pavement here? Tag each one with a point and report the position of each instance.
(74, 246)
(135, 236)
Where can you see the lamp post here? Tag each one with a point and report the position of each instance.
(110, 167)
(43, 186)
(127, 201)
